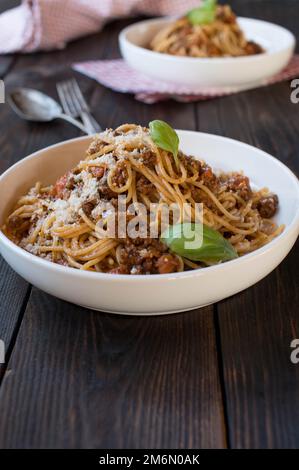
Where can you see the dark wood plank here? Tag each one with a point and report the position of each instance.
(6, 63)
(257, 326)
(94, 380)
(6, 4)
(14, 293)
(261, 382)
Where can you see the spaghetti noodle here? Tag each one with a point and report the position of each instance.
(61, 222)
(221, 38)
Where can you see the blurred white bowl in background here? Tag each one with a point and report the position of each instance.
(278, 42)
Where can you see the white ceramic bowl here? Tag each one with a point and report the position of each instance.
(278, 42)
(154, 294)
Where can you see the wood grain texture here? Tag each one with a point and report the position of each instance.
(81, 379)
(14, 293)
(257, 327)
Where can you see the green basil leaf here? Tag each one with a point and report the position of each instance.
(212, 247)
(165, 137)
(204, 14)
(201, 17)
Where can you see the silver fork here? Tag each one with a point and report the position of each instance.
(74, 104)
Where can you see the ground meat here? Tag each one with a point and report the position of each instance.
(97, 171)
(94, 147)
(239, 184)
(167, 264)
(120, 270)
(209, 179)
(15, 222)
(191, 164)
(103, 189)
(267, 206)
(141, 255)
(212, 50)
(120, 175)
(64, 185)
(148, 158)
(144, 186)
(70, 184)
(88, 207)
(205, 173)
(252, 48)
(201, 197)
(105, 192)
(18, 225)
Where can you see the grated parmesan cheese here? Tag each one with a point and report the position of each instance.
(104, 209)
(66, 211)
(107, 158)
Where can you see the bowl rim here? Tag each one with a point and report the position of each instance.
(260, 252)
(123, 39)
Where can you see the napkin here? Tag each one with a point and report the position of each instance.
(50, 24)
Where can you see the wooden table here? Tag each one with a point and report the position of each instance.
(211, 378)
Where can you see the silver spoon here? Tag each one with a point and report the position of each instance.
(33, 105)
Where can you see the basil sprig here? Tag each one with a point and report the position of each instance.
(212, 246)
(165, 137)
(204, 14)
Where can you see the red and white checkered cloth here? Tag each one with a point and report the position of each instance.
(118, 76)
(50, 24)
